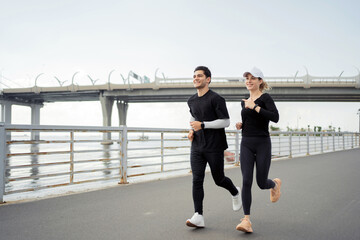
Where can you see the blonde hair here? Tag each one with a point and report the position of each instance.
(264, 86)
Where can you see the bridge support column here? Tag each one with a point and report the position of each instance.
(122, 110)
(3, 153)
(106, 106)
(2, 113)
(35, 120)
(6, 109)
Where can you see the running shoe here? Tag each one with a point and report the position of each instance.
(244, 226)
(236, 200)
(275, 192)
(197, 221)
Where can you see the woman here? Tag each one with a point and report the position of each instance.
(255, 146)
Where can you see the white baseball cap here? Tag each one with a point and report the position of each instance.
(255, 72)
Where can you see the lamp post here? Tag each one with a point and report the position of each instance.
(37, 78)
(73, 77)
(110, 75)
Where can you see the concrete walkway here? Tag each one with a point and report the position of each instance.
(320, 200)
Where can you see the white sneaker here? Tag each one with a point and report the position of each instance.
(197, 220)
(236, 200)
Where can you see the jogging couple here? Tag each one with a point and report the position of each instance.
(209, 118)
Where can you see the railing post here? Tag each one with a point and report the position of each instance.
(327, 140)
(322, 142)
(290, 145)
(333, 135)
(237, 149)
(123, 161)
(352, 140)
(162, 152)
(343, 137)
(279, 145)
(71, 157)
(307, 143)
(2, 161)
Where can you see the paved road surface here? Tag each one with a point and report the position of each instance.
(320, 200)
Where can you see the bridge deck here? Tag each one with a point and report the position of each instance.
(321, 200)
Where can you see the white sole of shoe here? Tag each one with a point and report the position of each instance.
(244, 230)
(190, 224)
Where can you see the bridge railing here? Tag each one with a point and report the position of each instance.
(44, 157)
(304, 81)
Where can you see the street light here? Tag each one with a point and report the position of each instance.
(110, 76)
(92, 80)
(60, 82)
(73, 77)
(37, 78)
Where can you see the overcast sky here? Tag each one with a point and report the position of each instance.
(59, 38)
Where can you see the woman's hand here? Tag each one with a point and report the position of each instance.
(191, 135)
(249, 103)
(238, 125)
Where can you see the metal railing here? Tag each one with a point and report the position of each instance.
(305, 81)
(297, 81)
(43, 157)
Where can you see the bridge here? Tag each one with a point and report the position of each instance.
(293, 88)
(320, 200)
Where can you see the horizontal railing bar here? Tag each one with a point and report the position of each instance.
(175, 154)
(155, 156)
(142, 140)
(96, 180)
(157, 164)
(136, 149)
(61, 163)
(157, 148)
(97, 170)
(56, 141)
(38, 176)
(158, 130)
(147, 156)
(96, 160)
(36, 142)
(37, 165)
(37, 153)
(59, 185)
(144, 165)
(60, 152)
(177, 147)
(148, 173)
(59, 174)
(157, 140)
(97, 150)
(36, 189)
(14, 127)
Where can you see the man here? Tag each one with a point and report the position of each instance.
(209, 117)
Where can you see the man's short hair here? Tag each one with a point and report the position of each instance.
(206, 71)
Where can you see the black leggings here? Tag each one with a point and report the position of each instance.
(198, 164)
(254, 150)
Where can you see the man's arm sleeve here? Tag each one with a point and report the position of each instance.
(216, 124)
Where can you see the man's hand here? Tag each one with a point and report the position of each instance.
(238, 125)
(196, 125)
(249, 103)
(191, 135)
